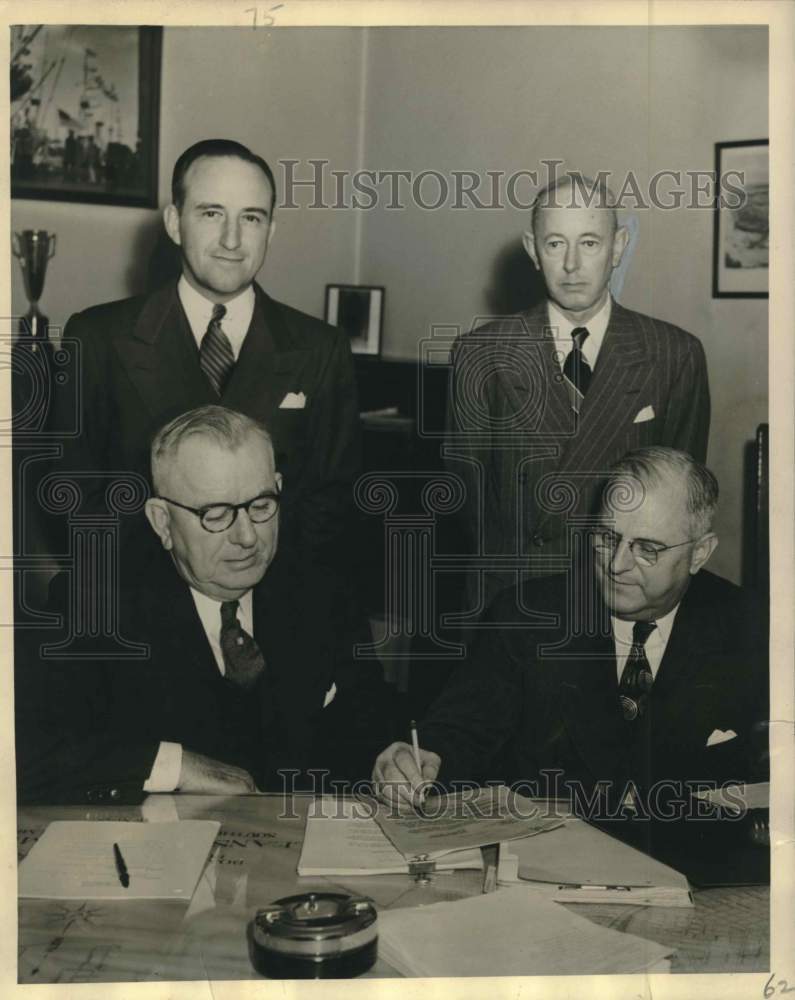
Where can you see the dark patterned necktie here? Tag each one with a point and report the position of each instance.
(215, 354)
(636, 678)
(576, 369)
(243, 659)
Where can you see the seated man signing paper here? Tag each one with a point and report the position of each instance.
(627, 680)
(249, 666)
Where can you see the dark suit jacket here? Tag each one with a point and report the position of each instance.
(510, 422)
(89, 730)
(139, 367)
(544, 695)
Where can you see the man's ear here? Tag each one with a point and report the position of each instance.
(529, 244)
(159, 516)
(702, 550)
(271, 231)
(171, 222)
(620, 241)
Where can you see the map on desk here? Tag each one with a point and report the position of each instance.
(77, 860)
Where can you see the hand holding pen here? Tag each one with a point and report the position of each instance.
(401, 769)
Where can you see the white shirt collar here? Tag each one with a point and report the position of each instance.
(199, 311)
(596, 326)
(622, 629)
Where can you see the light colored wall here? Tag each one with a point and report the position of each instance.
(616, 99)
(288, 94)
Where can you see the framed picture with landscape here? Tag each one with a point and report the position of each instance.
(85, 105)
(742, 220)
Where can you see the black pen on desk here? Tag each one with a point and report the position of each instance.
(415, 744)
(121, 867)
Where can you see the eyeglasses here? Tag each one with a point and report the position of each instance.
(643, 551)
(217, 517)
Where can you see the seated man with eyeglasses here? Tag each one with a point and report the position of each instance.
(627, 681)
(250, 667)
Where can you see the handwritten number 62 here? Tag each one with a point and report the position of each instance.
(783, 987)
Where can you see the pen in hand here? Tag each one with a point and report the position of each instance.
(415, 744)
(121, 867)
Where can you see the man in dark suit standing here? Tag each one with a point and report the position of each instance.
(215, 337)
(247, 664)
(639, 671)
(544, 402)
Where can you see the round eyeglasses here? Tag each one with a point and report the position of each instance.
(643, 551)
(217, 517)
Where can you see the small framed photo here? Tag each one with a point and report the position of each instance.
(359, 310)
(742, 220)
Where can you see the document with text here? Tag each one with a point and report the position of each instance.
(117, 860)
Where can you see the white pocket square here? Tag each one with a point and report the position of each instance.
(293, 401)
(647, 413)
(331, 694)
(721, 736)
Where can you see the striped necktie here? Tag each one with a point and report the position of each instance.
(243, 658)
(576, 370)
(215, 354)
(636, 678)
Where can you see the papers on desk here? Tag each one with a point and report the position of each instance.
(340, 839)
(738, 798)
(587, 865)
(75, 860)
(511, 932)
(455, 822)
(343, 838)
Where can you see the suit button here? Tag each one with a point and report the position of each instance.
(538, 540)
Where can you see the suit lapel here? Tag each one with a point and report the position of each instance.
(536, 379)
(622, 371)
(161, 359)
(691, 637)
(170, 615)
(289, 645)
(268, 366)
(589, 704)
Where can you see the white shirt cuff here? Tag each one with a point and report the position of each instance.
(164, 776)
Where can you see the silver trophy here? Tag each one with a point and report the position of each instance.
(34, 248)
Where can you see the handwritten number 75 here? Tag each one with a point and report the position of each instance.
(262, 18)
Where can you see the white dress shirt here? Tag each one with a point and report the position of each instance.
(199, 311)
(655, 644)
(164, 776)
(562, 327)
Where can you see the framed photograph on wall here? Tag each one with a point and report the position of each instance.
(85, 107)
(740, 247)
(359, 310)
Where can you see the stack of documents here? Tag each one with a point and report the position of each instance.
(78, 860)
(341, 840)
(511, 932)
(352, 837)
(581, 864)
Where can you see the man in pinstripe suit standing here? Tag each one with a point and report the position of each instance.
(542, 403)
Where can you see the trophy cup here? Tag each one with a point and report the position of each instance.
(34, 248)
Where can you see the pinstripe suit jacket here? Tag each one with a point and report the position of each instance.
(527, 465)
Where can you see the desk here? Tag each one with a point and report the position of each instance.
(254, 863)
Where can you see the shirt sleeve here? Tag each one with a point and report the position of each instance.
(164, 776)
